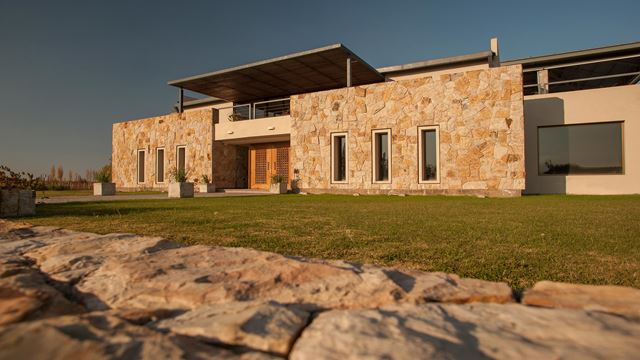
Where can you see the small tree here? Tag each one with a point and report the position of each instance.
(60, 173)
(52, 173)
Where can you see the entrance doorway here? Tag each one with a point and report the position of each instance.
(267, 160)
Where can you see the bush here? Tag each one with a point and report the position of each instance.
(205, 179)
(13, 180)
(277, 179)
(179, 175)
(104, 175)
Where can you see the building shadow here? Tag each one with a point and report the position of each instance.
(538, 113)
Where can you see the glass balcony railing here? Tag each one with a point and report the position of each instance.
(259, 110)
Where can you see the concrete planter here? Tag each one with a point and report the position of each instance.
(16, 202)
(278, 188)
(207, 188)
(104, 189)
(181, 190)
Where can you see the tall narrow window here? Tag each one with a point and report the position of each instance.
(181, 161)
(339, 157)
(140, 166)
(428, 154)
(382, 156)
(160, 165)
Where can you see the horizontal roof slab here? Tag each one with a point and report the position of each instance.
(308, 71)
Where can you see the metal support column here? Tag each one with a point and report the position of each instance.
(180, 100)
(348, 72)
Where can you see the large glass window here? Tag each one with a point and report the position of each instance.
(140, 166)
(580, 149)
(428, 153)
(381, 155)
(339, 157)
(160, 165)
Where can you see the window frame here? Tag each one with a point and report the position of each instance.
(164, 163)
(334, 135)
(178, 147)
(374, 160)
(422, 129)
(622, 147)
(144, 166)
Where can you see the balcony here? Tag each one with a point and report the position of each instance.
(259, 110)
(262, 121)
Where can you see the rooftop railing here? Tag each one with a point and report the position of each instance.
(259, 110)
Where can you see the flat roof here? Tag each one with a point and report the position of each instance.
(440, 62)
(307, 71)
(606, 66)
(599, 52)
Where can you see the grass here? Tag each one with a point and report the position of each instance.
(58, 193)
(584, 239)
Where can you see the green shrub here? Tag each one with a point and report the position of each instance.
(104, 175)
(205, 179)
(179, 175)
(277, 179)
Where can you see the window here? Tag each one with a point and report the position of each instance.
(339, 158)
(382, 156)
(181, 158)
(428, 154)
(140, 166)
(584, 149)
(160, 165)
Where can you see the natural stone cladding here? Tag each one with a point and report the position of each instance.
(480, 118)
(193, 129)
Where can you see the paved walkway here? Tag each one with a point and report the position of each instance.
(133, 196)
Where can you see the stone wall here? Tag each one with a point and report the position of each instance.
(156, 299)
(480, 119)
(193, 129)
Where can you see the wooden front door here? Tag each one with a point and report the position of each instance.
(266, 160)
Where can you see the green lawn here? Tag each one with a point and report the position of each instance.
(58, 193)
(584, 239)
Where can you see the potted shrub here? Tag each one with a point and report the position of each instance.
(206, 186)
(17, 193)
(180, 188)
(103, 185)
(278, 185)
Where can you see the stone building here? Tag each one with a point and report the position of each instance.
(328, 122)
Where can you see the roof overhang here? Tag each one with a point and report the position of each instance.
(303, 72)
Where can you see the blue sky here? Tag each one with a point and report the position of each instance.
(68, 70)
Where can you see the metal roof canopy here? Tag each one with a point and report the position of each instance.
(583, 69)
(308, 71)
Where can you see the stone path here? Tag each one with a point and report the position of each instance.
(70, 294)
(133, 196)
